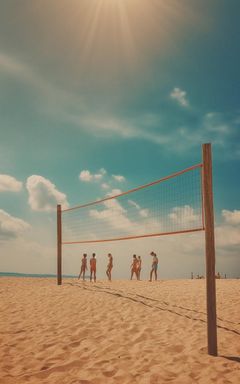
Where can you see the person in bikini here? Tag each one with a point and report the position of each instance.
(83, 267)
(154, 265)
(139, 267)
(134, 267)
(93, 267)
(109, 267)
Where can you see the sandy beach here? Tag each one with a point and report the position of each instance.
(116, 332)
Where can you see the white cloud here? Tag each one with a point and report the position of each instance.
(214, 122)
(144, 212)
(120, 220)
(103, 171)
(231, 217)
(55, 100)
(43, 195)
(97, 176)
(105, 186)
(119, 178)
(10, 65)
(9, 183)
(114, 192)
(116, 216)
(212, 127)
(184, 215)
(180, 96)
(72, 108)
(103, 126)
(10, 226)
(86, 176)
(134, 204)
(114, 213)
(227, 236)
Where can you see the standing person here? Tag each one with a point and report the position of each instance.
(83, 267)
(109, 267)
(134, 267)
(154, 265)
(93, 267)
(139, 267)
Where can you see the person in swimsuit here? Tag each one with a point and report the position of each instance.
(139, 267)
(93, 267)
(154, 265)
(134, 267)
(83, 267)
(109, 267)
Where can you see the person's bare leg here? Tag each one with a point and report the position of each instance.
(131, 275)
(80, 274)
(155, 274)
(151, 275)
(94, 276)
(91, 276)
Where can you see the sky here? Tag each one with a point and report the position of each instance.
(98, 96)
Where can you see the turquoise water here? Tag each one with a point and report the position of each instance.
(13, 274)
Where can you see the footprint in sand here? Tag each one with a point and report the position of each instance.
(176, 348)
(75, 344)
(109, 373)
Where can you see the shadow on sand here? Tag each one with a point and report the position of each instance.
(232, 358)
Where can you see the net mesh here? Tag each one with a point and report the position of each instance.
(169, 205)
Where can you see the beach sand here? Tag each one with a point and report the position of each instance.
(116, 332)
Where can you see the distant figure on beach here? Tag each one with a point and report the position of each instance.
(109, 267)
(218, 276)
(93, 267)
(83, 266)
(139, 267)
(154, 265)
(134, 267)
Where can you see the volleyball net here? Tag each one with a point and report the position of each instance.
(179, 203)
(173, 204)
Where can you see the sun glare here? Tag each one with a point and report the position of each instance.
(127, 30)
(106, 36)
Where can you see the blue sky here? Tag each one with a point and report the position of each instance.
(131, 87)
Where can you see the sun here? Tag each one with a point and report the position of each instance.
(125, 28)
(112, 36)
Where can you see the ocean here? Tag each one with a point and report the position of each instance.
(14, 274)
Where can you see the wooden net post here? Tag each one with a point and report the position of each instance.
(209, 249)
(59, 244)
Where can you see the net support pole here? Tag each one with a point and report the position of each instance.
(59, 244)
(209, 249)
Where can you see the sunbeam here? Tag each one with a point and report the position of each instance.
(109, 37)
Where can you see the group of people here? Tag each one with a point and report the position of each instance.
(136, 267)
(93, 267)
